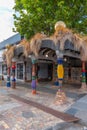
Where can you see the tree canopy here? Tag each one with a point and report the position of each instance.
(34, 16)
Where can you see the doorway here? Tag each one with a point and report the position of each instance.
(50, 71)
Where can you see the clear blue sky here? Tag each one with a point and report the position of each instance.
(6, 19)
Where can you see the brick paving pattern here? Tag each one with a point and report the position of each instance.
(15, 115)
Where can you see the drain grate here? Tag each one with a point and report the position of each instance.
(58, 114)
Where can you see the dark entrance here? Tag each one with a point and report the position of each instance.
(50, 71)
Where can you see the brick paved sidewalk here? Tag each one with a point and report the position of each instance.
(15, 115)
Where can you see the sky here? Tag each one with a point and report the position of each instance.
(6, 19)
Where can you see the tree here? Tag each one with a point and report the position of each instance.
(34, 16)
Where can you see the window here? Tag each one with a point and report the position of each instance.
(4, 69)
(20, 71)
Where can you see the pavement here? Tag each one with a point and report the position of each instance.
(16, 115)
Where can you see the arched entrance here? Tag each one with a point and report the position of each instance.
(46, 61)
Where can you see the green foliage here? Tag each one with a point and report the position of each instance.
(41, 15)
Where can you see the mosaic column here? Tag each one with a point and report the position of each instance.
(60, 71)
(36, 73)
(83, 76)
(33, 84)
(60, 95)
(8, 77)
(25, 77)
(13, 75)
